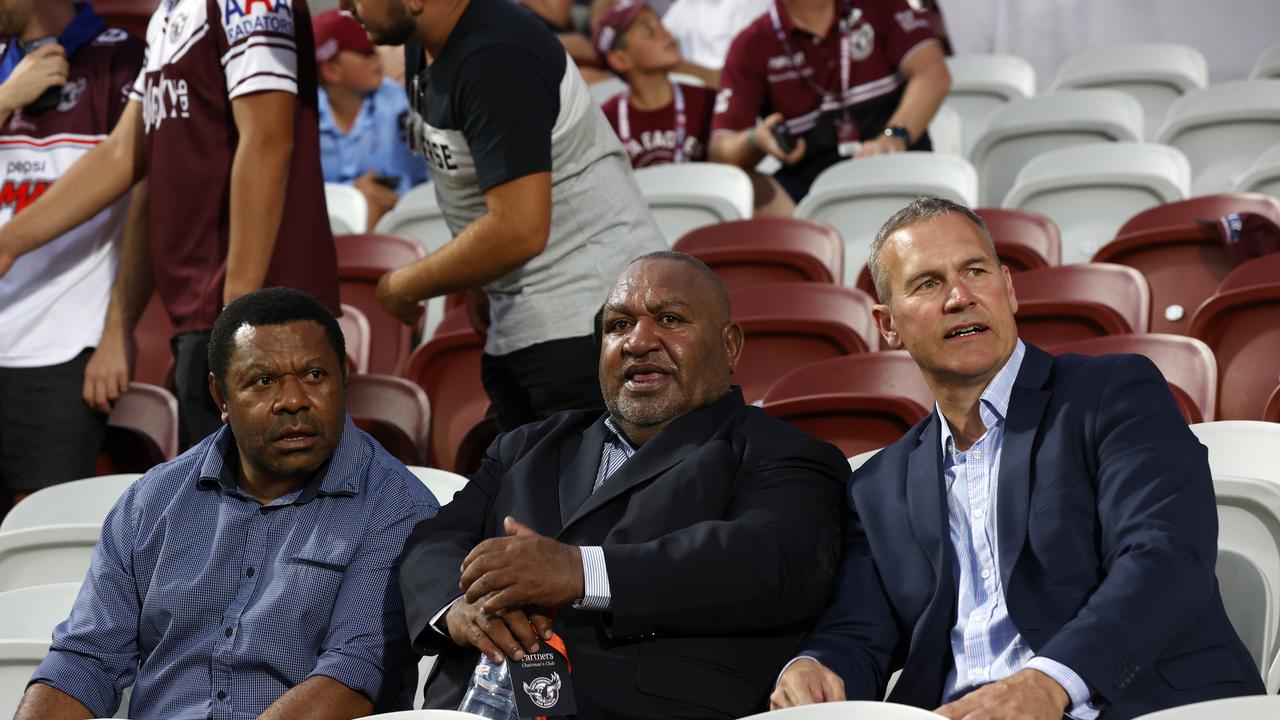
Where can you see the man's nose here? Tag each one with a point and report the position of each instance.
(959, 297)
(642, 338)
(292, 397)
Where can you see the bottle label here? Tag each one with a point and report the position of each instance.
(541, 683)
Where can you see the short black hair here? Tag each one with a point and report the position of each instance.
(717, 285)
(270, 306)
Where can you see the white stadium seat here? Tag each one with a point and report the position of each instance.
(1249, 707)
(46, 554)
(1155, 74)
(1263, 176)
(418, 217)
(857, 196)
(687, 196)
(946, 132)
(858, 460)
(605, 89)
(1091, 190)
(348, 210)
(27, 619)
(442, 483)
(1223, 129)
(1267, 66)
(80, 501)
(981, 84)
(1022, 130)
(848, 710)
(422, 715)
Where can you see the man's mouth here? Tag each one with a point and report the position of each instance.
(294, 438)
(644, 377)
(966, 331)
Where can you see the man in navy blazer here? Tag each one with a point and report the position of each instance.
(1045, 540)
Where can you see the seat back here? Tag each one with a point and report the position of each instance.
(685, 196)
(442, 483)
(362, 261)
(1073, 302)
(151, 336)
(1090, 190)
(142, 431)
(1248, 707)
(394, 411)
(1243, 329)
(1267, 66)
(946, 131)
(1222, 129)
(1025, 240)
(356, 336)
(767, 250)
(856, 196)
(982, 84)
(867, 709)
(447, 367)
(1154, 74)
(84, 501)
(1021, 130)
(1263, 270)
(1190, 212)
(27, 619)
(1247, 597)
(1272, 411)
(788, 325)
(1262, 176)
(46, 554)
(1186, 363)
(603, 90)
(348, 209)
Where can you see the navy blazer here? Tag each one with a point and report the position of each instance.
(1107, 544)
(721, 537)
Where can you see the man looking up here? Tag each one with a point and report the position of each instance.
(254, 575)
(684, 540)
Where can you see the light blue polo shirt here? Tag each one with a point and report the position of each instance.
(376, 141)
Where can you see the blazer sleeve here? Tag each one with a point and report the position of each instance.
(1159, 530)
(767, 562)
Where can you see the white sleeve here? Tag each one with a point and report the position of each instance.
(262, 51)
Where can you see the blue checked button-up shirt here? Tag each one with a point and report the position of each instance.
(984, 641)
(213, 606)
(376, 141)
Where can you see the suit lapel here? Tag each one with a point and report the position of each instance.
(1026, 408)
(925, 492)
(578, 469)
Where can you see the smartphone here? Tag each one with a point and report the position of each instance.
(786, 141)
(52, 96)
(390, 182)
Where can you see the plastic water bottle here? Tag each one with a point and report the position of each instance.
(489, 695)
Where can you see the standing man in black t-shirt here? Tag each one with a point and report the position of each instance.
(514, 141)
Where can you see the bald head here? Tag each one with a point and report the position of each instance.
(703, 277)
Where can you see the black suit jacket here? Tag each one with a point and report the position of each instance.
(1107, 534)
(721, 537)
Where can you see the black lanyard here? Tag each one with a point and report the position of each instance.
(845, 24)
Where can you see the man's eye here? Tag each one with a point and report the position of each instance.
(976, 271)
(669, 319)
(262, 380)
(315, 374)
(928, 284)
(619, 326)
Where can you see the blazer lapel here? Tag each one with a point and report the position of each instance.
(578, 469)
(925, 492)
(1026, 407)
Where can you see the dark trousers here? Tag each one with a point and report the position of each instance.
(198, 416)
(47, 434)
(534, 382)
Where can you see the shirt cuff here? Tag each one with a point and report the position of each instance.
(358, 674)
(791, 662)
(435, 619)
(1077, 690)
(595, 580)
(81, 677)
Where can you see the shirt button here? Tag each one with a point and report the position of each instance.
(249, 572)
(222, 695)
(262, 511)
(977, 514)
(228, 631)
(985, 574)
(977, 453)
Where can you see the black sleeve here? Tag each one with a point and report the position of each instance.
(507, 101)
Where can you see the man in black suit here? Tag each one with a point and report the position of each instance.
(683, 541)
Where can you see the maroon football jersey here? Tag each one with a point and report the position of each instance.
(201, 55)
(650, 136)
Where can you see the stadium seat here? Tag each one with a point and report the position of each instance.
(1267, 66)
(1262, 175)
(1222, 129)
(447, 367)
(1021, 130)
(418, 217)
(1249, 707)
(605, 89)
(85, 501)
(1090, 190)
(946, 132)
(1272, 411)
(1182, 260)
(348, 209)
(1186, 363)
(685, 196)
(442, 483)
(846, 710)
(857, 196)
(46, 554)
(858, 402)
(153, 355)
(362, 261)
(27, 619)
(1247, 597)
(981, 84)
(858, 460)
(1154, 74)
(788, 325)
(1072, 302)
(142, 431)
(1243, 329)
(394, 411)
(356, 335)
(768, 250)
(1263, 270)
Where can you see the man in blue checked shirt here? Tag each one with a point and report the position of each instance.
(256, 574)
(1045, 539)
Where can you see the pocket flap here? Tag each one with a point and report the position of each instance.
(1206, 666)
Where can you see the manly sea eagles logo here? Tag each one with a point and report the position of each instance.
(543, 691)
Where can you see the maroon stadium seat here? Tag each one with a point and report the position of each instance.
(142, 431)
(1187, 364)
(356, 334)
(1272, 411)
(151, 336)
(1243, 329)
(856, 402)
(788, 325)
(1073, 302)
(1263, 270)
(1182, 260)
(448, 369)
(768, 250)
(362, 261)
(395, 412)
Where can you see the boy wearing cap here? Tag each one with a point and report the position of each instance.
(362, 117)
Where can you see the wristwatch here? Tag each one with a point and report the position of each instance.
(900, 132)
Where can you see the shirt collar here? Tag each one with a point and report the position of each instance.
(340, 476)
(84, 27)
(618, 437)
(994, 401)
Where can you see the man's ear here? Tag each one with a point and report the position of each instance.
(883, 316)
(219, 396)
(328, 73)
(618, 60)
(733, 342)
(1008, 284)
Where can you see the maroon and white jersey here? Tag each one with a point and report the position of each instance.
(201, 55)
(54, 299)
(650, 137)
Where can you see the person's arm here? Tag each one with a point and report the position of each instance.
(707, 75)
(738, 136)
(259, 182)
(927, 84)
(94, 182)
(746, 148)
(106, 376)
(319, 698)
(41, 702)
(40, 70)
